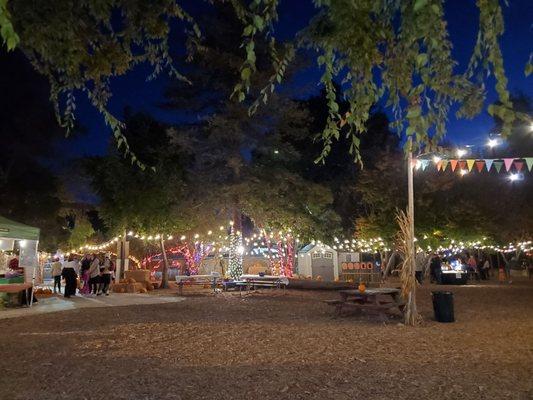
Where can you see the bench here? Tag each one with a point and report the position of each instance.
(252, 281)
(202, 280)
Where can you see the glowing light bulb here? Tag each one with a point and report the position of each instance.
(464, 172)
(492, 143)
(461, 152)
(513, 177)
(436, 159)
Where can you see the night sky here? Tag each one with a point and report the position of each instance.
(132, 89)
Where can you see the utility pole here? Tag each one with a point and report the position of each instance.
(410, 194)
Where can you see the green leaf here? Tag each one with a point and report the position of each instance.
(259, 22)
(419, 4)
(414, 112)
(245, 73)
(12, 42)
(248, 30)
(422, 59)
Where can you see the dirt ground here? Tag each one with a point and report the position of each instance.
(270, 345)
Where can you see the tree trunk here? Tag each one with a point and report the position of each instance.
(164, 277)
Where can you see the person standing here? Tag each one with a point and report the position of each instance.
(70, 276)
(486, 269)
(472, 267)
(94, 275)
(56, 274)
(420, 261)
(85, 265)
(509, 266)
(435, 269)
(105, 277)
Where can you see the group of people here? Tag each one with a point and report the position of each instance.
(92, 275)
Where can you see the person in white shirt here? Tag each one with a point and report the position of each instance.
(56, 274)
(94, 275)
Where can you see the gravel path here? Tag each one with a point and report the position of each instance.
(273, 346)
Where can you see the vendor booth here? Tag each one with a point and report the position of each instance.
(17, 272)
(453, 273)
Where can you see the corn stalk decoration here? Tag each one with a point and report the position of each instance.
(407, 275)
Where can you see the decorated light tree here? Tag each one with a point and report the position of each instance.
(282, 262)
(236, 250)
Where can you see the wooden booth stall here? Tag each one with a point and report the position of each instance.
(360, 267)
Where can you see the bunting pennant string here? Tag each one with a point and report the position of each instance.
(453, 163)
(498, 165)
(529, 162)
(508, 162)
(519, 165)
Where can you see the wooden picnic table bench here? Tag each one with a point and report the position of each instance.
(373, 299)
(210, 279)
(252, 281)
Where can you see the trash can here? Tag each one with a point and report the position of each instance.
(443, 306)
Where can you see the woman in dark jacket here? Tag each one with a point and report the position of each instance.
(70, 275)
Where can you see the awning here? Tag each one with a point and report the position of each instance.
(15, 230)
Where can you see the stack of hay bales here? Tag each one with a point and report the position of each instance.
(137, 281)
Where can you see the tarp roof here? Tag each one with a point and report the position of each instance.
(15, 230)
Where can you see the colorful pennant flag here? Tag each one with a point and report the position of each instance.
(488, 163)
(439, 164)
(470, 164)
(508, 162)
(529, 162)
(453, 164)
(498, 165)
(462, 164)
(444, 164)
(519, 165)
(424, 164)
(480, 165)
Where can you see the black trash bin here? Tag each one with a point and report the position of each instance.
(443, 306)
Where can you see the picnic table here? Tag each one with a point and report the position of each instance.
(373, 299)
(211, 279)
(249, 281)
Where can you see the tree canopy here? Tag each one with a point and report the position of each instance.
(397, 52)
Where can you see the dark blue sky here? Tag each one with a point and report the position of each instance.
(132, 89)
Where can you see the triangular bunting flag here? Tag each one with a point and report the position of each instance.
(529, 162)
(453, 164)
(462, 164)
(519, 165)
(498, 165)
(444, 164)
(470, 164)
(508, 162)
(439, 164)
(488, 163)
(480, 165)
(424, 164)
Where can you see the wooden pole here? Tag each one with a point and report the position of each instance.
(164, 277)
